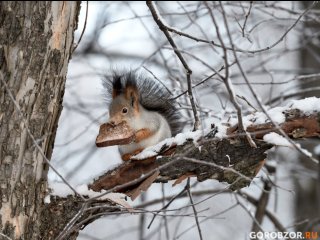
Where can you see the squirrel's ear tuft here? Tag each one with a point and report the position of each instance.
(131, 90)
(131, 94)
(117, 86)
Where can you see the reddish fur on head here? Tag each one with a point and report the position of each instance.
(125, 96)
(132, 95)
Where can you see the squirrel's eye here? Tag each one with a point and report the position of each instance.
(124, 110)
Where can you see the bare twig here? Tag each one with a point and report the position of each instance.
(244, 195)
(84, 27)
(64, 233)
(227, 80)
(142, 219)
(206, 219)
(246, 19)
(246, 100)
(168, 204)
(290, 95)
(254, 93)
(262, 205)
(249, 213)
(164, 29)
(168, 28)
(269, 214)
(165, 217)
(194, 209)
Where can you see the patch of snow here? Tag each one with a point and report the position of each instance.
(246, 122)
(90, 177)
(307, 105)
(305, 151)
(146, 153)
(179, 139)
(221, 129)
(276, 115)
(62, 190)
(276, 139)
(47, 199)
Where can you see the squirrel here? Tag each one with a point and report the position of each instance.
(145, 105)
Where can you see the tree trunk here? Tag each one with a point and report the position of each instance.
(36, 42)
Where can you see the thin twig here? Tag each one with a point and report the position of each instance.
(170, 29)
(168, 204)
(262, 205)
(195, 193)
(290, 95)
(164, 29)
(155, 40)
(84, 28)
(142, 219)
(155, 77)
(269, 214)
(194, 209)
(246, 100)
(246, 19)
(228, 83)
(244, 195)
(65, 232)
(165, 216)
(254, 93)
(206, 219)
(249, 213)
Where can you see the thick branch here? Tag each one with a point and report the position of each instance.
(213, 153)
(67, 209)
(230, 160)
(212, 158)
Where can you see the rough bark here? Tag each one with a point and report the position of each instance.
(229, 153)
(58, 215)
(128, 176)
(35, 47)
(243, 158)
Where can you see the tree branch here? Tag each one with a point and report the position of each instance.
(188, 70)
(228, 160)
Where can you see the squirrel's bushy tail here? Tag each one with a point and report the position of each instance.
(153, 96)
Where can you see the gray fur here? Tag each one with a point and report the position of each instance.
(153, 96)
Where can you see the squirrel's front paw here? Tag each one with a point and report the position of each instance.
(142, 134)
(127, 156)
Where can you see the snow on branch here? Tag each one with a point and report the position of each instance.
(221, 153)
(229, 159)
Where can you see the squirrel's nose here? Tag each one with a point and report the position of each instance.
(112, 122)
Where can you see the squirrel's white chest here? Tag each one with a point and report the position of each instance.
(159, 127)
